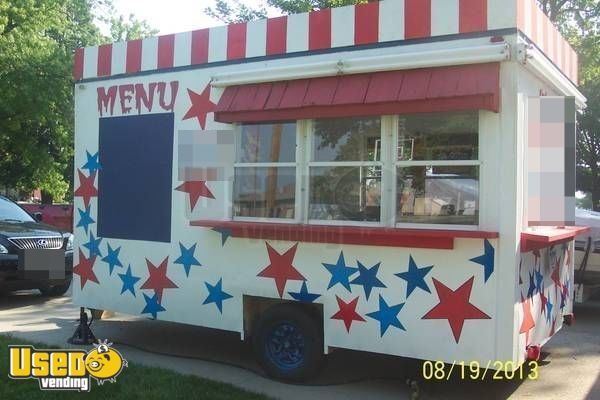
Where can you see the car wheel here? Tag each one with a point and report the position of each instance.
(288, 343)
(55, 290)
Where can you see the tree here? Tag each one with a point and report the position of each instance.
(37, 39)
(130, 29)
(581, 13)
(120, 28)
(579, 21)
(298, 6)
(234, 11)
(588, 145)
(37, 42)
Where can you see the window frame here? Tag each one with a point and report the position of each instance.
(310, 134)
(388, 163)
(441, 163)
(237, 165)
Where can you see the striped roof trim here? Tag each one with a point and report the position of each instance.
(364, 24)
(532, 21)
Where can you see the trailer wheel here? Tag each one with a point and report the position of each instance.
(288, 343)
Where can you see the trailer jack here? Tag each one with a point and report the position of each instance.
(83, 334)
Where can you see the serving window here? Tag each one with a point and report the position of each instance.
(419, 170)
(437, 169)
(345, 170)
(265, 171)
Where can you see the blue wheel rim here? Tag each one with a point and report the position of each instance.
(285, 346)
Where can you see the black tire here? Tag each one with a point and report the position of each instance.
(55, 290)
(288, 343)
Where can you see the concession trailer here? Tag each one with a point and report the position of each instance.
(395, 177)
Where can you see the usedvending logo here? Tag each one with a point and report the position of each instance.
(66, 369)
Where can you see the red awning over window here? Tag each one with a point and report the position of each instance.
(458, 88)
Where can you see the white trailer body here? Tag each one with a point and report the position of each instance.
(400, 173)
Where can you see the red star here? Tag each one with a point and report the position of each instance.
(544, 300)
(86, 188)
(281, 268)
(201, 106)
(347, 312)
(158, 280)
(537, 255)
(568, 257)
(528, 322)
(565, 291)
(553, 328)
(454, 306)
(555, 276)
(195, 189)
(85, 269)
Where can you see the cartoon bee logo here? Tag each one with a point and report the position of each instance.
(104, 363)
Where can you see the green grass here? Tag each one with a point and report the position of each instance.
(135, 382)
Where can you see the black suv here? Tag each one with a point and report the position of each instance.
(33, 255)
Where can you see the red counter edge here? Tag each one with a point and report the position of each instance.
(366, 236)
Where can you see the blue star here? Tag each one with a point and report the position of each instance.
(187, 258)
(340, 273)
(112, 258)
(216, 294)
(368, 278)
(387, 316)
(539, 279)
(152, 306)
(532, 288)
(129, 281)
(92, 163)
(225, 234)
(415, 277)
(303, 295)
(548, 310)
(93, 246)
(486, 260)
(562, 299)
(85, 219)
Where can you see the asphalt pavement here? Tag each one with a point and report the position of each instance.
(570, 368)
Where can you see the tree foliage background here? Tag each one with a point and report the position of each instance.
(37, 42)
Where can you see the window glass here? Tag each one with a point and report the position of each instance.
(9, 211)
(436, 166)
(265, 192)
(267, 143)
(351, 139)
(262, 189)
(438, 195)
(350, 191)
(345, 193)
(440, 136)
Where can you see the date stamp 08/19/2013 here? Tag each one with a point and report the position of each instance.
(475, 370)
